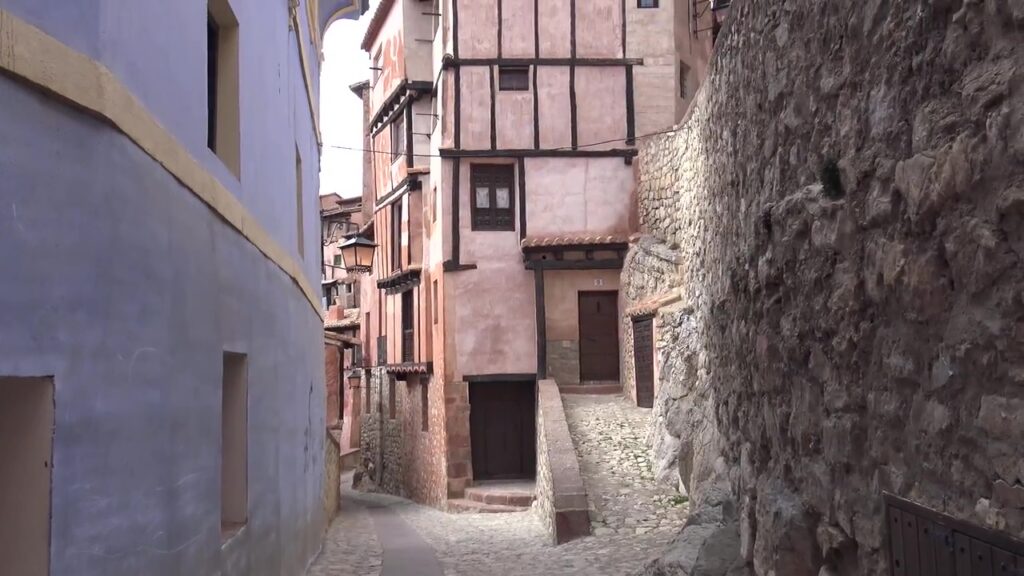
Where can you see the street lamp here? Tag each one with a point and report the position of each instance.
(357, 253)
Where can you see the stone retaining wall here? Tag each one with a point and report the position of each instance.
(561, 496)
(847, 200)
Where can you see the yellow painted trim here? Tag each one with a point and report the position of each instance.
(307, 76)
(30, 54)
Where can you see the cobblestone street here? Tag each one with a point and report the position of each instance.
(633, 519)
(610, 438)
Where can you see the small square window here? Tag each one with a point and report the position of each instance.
(646, 3)
(516, 78)
(493, 206)
(337, 260)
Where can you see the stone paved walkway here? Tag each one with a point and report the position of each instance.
(610, 435)
(634, 519)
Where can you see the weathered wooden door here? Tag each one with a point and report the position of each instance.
(599, 336)
(924, 542)
(643, 361)
(503, 429)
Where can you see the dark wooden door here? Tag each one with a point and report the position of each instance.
(502, 421)
(643, 361)
(599, 336)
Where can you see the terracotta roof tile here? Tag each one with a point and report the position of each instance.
(574, 240)
(349, 319)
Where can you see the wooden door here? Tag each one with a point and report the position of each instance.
(643, 361)
(599, 336)
(502, 421)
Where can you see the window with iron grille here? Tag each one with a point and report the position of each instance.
(646, 3)
(516, 78)
(493, 206)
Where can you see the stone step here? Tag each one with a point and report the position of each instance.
(465, 506)
(489, 495)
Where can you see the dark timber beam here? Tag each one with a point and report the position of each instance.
(487, 378)
(458, 62)
(542, 329)
(531, 153)
(539, 265)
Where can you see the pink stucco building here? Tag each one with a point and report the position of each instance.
(501, 137)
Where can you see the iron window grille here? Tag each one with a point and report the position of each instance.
(493, 205)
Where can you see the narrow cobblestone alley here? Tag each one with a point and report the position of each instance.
(633, 519)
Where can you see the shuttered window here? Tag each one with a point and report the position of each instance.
(493, 199)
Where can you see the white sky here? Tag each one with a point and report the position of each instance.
(341, 112)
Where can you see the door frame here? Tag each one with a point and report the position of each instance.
(579, 331)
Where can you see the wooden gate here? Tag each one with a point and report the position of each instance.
(643, 360)
(923, 542)
(503, 433)
(599, 336)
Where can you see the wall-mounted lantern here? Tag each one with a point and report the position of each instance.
(357, 253)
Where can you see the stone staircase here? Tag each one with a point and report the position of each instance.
(495, 497)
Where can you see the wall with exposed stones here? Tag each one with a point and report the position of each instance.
(399, 455)
(381, 434)
(561, 498)
(846, 198)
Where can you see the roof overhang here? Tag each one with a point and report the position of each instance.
(333, 10)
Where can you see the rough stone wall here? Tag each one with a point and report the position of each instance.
(425, 463)
(650, 270)
(847, 197)
(457, 439)
(332, 475)
(401, 458)
(564, 361)
(561, 498)
(332, 373)
(381, 435)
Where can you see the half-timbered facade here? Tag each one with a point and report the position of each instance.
(501, 140)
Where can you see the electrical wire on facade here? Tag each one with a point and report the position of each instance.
(498, 152)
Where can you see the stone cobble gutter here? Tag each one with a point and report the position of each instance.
(561, 496)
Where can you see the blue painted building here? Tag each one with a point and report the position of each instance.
(161, 339)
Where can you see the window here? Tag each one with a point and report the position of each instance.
(514, 78)
(26, 449)
(234, 442)
(684, 76)
(337, 260)
(493, 205)
(222, 128)
(408, 333)
(391, 397)
(433, 308)
(300, 234)
(424, 405)
(398, 137)
(396, 235)
(646, 3)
